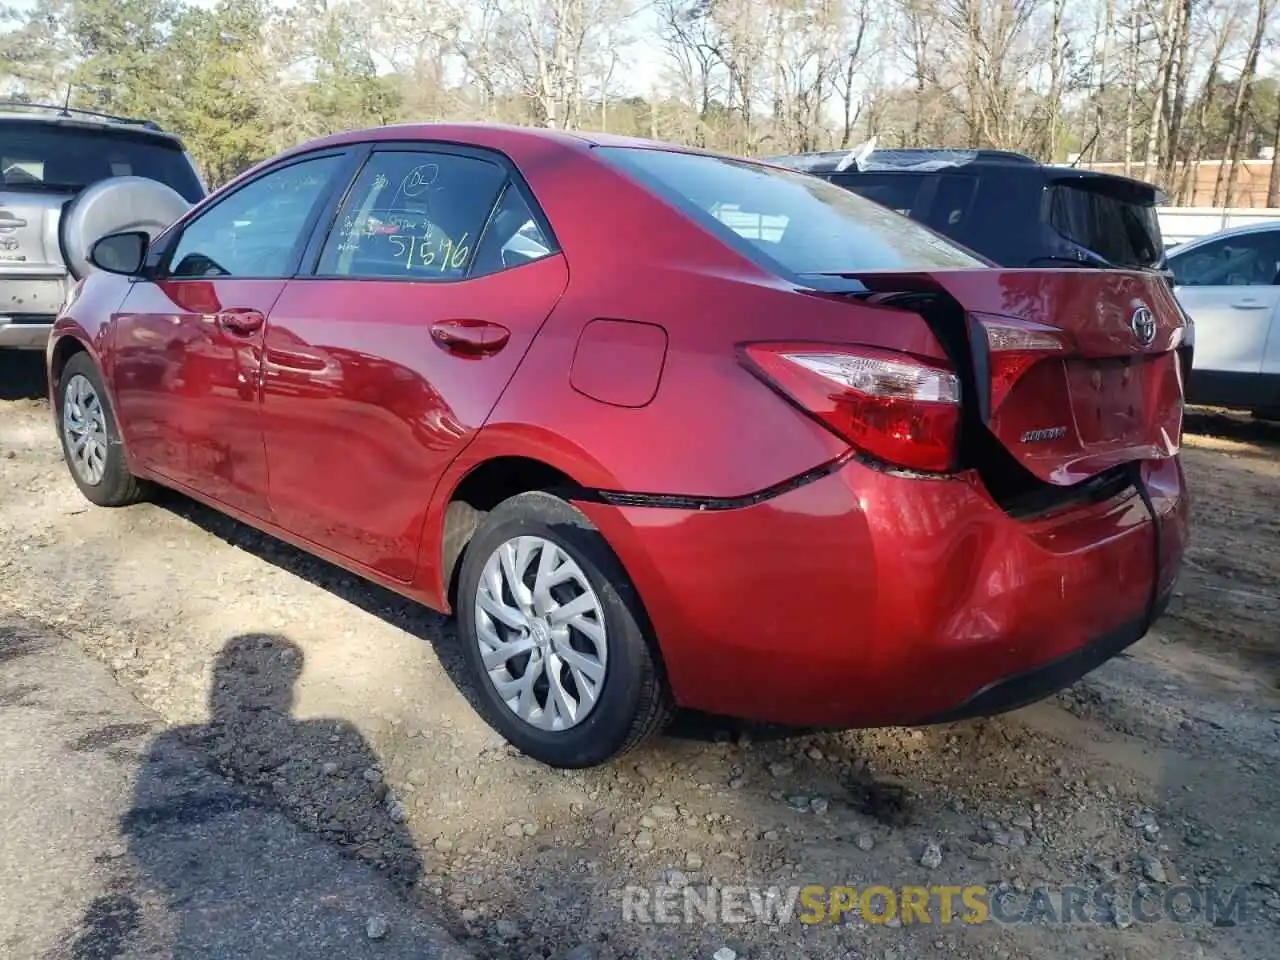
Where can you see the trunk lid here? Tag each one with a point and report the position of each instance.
(31, 267)
(1073, 372)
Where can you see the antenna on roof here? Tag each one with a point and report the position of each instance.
(1085, 148)
(66, 102)
(857, 155)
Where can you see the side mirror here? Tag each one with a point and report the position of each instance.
(123, 253)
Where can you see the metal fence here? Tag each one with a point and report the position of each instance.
(1180, 224)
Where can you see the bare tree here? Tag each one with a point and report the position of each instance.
(854, 33)
(688, 38)
(1229, 172)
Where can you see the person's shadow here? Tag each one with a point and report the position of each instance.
(233, 876)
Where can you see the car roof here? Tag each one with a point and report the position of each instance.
(1242, 230)
(489, 134)
(502, 137)
(903, 160)
(920, 160)
(82, 119)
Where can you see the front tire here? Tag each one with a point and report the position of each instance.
(554, 636)
(91, 443)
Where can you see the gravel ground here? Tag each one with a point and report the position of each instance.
(119, 841)
(344, 705)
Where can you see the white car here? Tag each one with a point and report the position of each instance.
(1229, 283)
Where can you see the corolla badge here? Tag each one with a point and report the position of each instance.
(1044, 435)
(1143, 324)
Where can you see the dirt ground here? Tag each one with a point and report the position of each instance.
(344, 703)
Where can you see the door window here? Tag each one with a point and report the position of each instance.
(258, 231)
(413, 215)
(1246, 260)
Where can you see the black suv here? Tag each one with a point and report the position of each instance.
(1006, 206)
(67, 178)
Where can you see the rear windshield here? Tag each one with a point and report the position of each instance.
(1123, 230)
(51, 156)
(794, 223)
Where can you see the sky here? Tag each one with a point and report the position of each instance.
(638, 75)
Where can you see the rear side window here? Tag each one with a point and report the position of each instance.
(953, 203)
(49, 156)
(1123, 230)
(787, 221)
(513, 237)
(413, 215)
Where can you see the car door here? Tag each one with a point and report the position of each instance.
(1228, 287)
(188, 342)
(380, 367)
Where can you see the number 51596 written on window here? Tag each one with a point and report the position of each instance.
(431, 251)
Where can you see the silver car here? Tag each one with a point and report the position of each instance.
(1229, 283)
(67, 178)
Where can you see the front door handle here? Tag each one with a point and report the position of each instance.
(470, 337)
(1250, 303)
(241, 320)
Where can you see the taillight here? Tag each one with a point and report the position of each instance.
(1012, 348)
(895, 407)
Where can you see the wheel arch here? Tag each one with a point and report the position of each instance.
(484, 485)
(61, 349)
(490, 472)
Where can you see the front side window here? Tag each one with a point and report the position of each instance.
(1247, 260)
(413, 216)
(258, 230)
(801, 224)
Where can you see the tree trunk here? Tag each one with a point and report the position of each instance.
(1208, 95)
(1132, 98)
(1177, 109)
(1109, 29)
(1273, 178)
(1055, 81)
(1164, 54)
(1223, 193)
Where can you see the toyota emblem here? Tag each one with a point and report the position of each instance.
(1143, 324)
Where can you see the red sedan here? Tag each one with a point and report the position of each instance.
(663, 428)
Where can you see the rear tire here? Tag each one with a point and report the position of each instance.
(571, 677)
(91, 443)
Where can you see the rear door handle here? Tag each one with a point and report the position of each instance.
(1250, 303)
(241, 320)
(470, 337)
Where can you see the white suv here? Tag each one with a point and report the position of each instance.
(68, 177)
